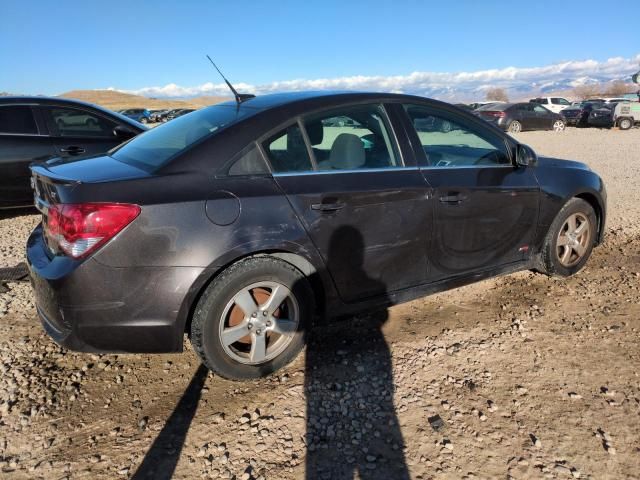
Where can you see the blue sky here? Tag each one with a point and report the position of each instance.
(53, 46)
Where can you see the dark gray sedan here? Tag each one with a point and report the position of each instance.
(516, 117)
(242, 224)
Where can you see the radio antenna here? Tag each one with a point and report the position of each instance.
(240, 97)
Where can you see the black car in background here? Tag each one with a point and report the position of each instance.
(242, 224)
(164, 116)
(516, 117)
(33, 129)
(155, 115)
(578, 115)
(602, 116)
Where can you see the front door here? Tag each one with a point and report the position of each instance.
(368, 214)
(486, 208)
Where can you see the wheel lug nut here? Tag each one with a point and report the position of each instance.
(259, 332)
(264, 314)
(254, 314)
(250, 326)
(268, 323)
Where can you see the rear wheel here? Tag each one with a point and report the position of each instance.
(625, 123)
(570, 239)
(252, 319)
(558, 126)
(515, 127)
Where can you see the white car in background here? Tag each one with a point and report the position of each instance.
(555, 104)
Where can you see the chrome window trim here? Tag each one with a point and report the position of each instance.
(5, 134)
(354, 170)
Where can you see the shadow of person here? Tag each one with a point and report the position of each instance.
(162, 458)
(352, 427)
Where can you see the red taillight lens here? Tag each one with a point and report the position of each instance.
(79, 229)
(495, 114)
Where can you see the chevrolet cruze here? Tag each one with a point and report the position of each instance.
(242, 224)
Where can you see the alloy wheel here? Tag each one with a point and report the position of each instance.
(558, 126)
(515, 127)
(573, 239)
(259, 322)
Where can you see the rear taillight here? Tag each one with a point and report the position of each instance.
(79, 229)
(495, 114)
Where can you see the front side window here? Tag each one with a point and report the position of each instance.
(17, 119)
(452, 142)
(72, 122)
(287, 151)
(559, 101)
(352, 138)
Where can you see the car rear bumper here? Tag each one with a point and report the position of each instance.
(90, 307)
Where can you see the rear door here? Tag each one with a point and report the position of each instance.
(527, 116)
(486, 208)
(22, 140)
(367, 212)
(78, 131)
(543, 117)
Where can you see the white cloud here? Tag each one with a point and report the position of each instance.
(445, 85)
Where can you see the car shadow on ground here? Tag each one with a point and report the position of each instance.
(161, 459)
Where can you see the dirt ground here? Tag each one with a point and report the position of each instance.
(523, 376)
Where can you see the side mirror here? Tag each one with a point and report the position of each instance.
(525, 155)
(123, 133)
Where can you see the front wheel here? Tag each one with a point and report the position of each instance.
(570, 239)
(558, 126)
(252, 319)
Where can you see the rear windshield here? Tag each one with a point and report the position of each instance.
(494, 107)
(158, 146)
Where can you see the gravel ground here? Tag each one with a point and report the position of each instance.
(518, 377)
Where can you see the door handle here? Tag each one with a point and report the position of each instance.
(73, 150)
(327, 207)
(453, 199)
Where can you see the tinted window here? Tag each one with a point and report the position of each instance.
(494, 107)
(157, 146)
(71, 122)
(351, 138)
(559, 101)
(452, 142)
(540, 109)
(287, 151)
(249, 163)
(17, 119)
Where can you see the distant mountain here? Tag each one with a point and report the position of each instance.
(115, 100)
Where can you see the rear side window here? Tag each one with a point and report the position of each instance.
(559, 101)
(288, 152)
(72, 122)
(160, 145)
(450, 142)
(352, 138)
(17, 119)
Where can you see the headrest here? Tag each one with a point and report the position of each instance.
(315, 130)
(347, 152)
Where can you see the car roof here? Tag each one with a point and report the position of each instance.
(265, 102)
(60, 101)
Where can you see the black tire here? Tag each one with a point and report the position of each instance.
(625, 123)
(550, 261)
(205, 326)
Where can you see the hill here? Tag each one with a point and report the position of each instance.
(118, 100)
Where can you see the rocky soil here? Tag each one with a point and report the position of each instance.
(518, 377)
